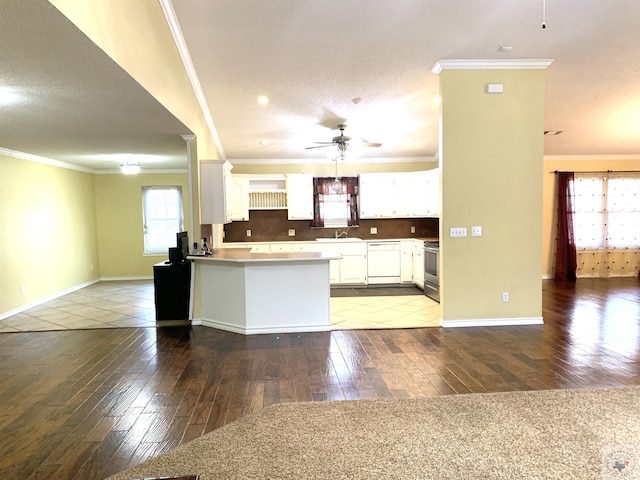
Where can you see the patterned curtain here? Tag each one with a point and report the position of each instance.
(322, 187)
(350, 186)
(565, 240)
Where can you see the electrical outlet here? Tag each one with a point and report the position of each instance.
(458, 232)
(505, 296)
(292, 232)
(476, 231)
(413, 229)
(22, 288)
(374, 230)
(248, 233)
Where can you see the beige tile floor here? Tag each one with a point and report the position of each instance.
(131, 304)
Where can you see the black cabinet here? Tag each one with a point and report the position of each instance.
(171, 283)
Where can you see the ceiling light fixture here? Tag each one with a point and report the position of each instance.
(8, 96)
(262, 100)
(130, 168)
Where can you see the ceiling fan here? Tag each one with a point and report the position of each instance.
(342, 142)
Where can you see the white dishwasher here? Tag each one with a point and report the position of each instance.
(383, 262)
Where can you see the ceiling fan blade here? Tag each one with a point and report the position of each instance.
(319, 146)
(323, 143)
(371, 144)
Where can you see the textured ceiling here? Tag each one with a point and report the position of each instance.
(74, 103)
(312, 58)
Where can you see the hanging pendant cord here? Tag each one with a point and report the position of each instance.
(544, 13)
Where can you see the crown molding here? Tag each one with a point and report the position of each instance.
(495, 64)
(181, 45)
(593, 158)
(44, 160)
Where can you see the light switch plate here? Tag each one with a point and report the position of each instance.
(374, 230)
(292, 232)
(458, 232)
(248, 233)
(413, 229)
(476, 231)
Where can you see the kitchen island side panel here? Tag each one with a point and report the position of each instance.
(288, 297)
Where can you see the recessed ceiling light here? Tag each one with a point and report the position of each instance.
(262, 100)
(437, 100)
(8, 96)
(265, 142)
(553, 132)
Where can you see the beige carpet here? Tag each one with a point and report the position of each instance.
(555, 434)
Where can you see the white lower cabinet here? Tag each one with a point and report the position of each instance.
(418, 265)
(406, 261)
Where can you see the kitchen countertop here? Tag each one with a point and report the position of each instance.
(244, 255)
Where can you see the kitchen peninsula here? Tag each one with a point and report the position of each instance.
(251, 293)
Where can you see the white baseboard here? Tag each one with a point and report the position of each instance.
(260, 330)
(124, 279)
(48, 298)
(491, 322)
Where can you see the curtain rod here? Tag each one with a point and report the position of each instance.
(601, 171)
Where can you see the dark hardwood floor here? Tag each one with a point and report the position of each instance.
(84, 404)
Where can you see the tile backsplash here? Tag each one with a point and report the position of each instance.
(274, 226)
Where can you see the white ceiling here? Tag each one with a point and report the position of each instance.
(312, 58)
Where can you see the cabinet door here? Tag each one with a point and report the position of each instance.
(403, 194)
(377, 195)
(421, 190)
(406, 261)
(215, 191)
(434, 200)
(334, 272)
(239, 198)
(418, 267)
(300, 196)
(353, 269)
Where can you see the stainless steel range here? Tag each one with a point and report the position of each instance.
(432, 270)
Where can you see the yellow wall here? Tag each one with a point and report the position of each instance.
(119, 214)
(550, 205)
(48, 237)
(491, 156)
(135, 34)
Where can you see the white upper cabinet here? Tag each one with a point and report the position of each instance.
(300, 196)
(397, 195)
(215, 191)
(239, 198)
(420, 192)
(434, 198)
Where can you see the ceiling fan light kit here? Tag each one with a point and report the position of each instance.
(342, 143)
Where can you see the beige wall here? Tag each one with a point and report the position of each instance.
(491, 155)
(119, 222)
(48, 237)
(550, 202)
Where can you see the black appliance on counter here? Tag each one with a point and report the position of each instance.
(432, 270)
(172, 283)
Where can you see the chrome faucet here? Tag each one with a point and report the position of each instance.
(345, 234)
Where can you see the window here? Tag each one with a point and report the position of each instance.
(607, 210)
(335, 207)
(162, 217)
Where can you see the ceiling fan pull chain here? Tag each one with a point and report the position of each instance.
(544, 13)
